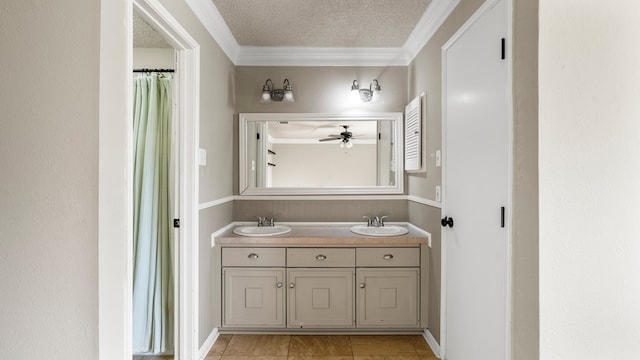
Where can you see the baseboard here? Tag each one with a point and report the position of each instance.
(433, 344)
(208, 344)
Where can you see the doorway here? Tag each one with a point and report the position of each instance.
(476, 187)
(185, 61)
(155, 195)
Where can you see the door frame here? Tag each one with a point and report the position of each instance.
(486, 6)
(115, 179)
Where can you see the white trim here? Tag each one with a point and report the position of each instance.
(217, 202)
(211, 19)
(486, 6)
(115, 195)
(188, 66)
(115, 175)
(208, 344)
(433, 18)
(320, 197)
(510, 171)
(436, 13)
(243, 182)
(431, 341)
(314, 56)
(435, 204)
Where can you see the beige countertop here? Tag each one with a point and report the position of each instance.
(305, 235)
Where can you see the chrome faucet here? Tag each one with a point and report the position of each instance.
(376, 221)
(265, 221)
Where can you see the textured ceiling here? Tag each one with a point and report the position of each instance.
(144, 36)
(321, 23)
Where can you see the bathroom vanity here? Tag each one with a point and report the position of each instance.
(323, 278)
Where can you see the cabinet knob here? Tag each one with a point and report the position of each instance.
(387, 256)
(292, 285)
(362, 285)
(279, 285)
(253, 256)
(321, 257)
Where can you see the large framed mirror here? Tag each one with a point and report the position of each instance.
(323, 154)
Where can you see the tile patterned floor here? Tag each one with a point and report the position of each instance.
(325, 347)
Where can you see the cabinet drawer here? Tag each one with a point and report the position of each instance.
(321, 257)
(248, 257)
(387, 257)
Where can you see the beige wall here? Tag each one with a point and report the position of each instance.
(317, 165)
(147, 58)
(216, 124)
(589, 148)
(525, 235)
(424, 76)
(49, 179)
(317, 89)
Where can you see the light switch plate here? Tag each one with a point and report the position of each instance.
(202, 157)
(438, 194)
(438, 158)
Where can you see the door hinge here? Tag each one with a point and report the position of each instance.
(176, 223)
(504, 49)
(258, 136)
(502, 216)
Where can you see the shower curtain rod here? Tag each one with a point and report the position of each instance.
(152, 70)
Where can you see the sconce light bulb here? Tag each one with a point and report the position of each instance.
(288, 96)
(266, 97)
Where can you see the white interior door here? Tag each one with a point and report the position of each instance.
(476, 188)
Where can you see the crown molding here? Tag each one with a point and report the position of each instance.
(313, 56)
(210, 17)
(433, 18)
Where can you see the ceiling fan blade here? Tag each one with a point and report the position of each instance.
(331, 138)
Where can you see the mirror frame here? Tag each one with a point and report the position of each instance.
(396, 117)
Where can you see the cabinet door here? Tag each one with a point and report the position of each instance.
(388, 297)
(320, 298)
(253, 297)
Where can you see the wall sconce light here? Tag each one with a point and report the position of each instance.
(270, 93)
(373, 94)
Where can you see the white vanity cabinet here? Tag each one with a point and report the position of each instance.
(320, 293)
(253, 287)
(388, 287)
(315, 282)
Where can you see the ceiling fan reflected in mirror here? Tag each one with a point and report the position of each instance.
(344, 137)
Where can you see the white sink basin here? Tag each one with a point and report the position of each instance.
(387, 230)
(261, 230)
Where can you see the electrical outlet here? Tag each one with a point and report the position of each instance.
(438, 158)
(438, 194)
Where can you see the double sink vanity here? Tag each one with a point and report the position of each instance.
(323, 278)
(298, 277)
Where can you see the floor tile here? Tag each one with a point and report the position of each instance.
(382, 345)
(320, 357)
(420, 345)
(260, 357)
(387, 357)
(220, 345)
(313, 345)
(257, 345)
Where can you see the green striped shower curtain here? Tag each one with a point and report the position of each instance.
(153, 313)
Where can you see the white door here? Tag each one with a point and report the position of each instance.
(476, 188)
